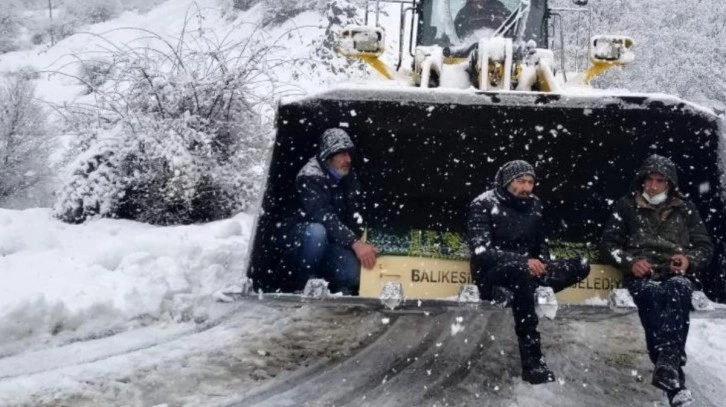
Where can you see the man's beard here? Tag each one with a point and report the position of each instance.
(341, 172)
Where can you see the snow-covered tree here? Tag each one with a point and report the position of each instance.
(337, 15)
(175, 136)
(24, 139)
(322, 59)
(678, 46)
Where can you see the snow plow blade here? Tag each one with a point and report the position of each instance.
(422, 155)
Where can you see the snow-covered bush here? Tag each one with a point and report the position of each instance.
(94, 73)
(24, 139)
(176, 134)
(9, 26)
(93, 11)
(279, 11)
(243, 5)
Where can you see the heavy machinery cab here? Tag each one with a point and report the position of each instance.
(461, 23)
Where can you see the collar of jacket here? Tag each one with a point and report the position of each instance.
(663, 210)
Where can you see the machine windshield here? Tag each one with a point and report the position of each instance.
(463, 22)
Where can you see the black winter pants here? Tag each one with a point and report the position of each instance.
(664, 309)
(516, 277)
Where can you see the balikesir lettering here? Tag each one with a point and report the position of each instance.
(440, 276)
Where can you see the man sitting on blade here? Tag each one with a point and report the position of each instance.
(509, 250)
(658, 240)
(324, 239)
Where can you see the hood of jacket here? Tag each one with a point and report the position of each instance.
(661, 165)
(333, 141)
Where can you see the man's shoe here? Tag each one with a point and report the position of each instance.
(665, 374)
(537, 372)
(680, 398)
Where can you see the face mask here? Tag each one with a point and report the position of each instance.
(656, 199)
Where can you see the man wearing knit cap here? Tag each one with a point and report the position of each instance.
(324, 240)
(658, 240)
(509, 250)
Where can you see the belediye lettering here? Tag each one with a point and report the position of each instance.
(598, 283)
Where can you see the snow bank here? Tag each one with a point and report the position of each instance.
(107, 274)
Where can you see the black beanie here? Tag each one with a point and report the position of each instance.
(511, 170)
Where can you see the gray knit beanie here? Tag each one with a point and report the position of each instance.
(511, 170)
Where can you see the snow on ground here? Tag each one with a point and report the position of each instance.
(707, 347)
(239, 348)
(106, 274)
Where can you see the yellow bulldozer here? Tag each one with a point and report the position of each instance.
(471, 92)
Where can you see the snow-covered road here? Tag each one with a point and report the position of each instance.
(465, 357)
(243, 345)
(292, 353)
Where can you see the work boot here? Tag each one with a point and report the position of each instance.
(534, 368)
(665, 375)
(680, 398)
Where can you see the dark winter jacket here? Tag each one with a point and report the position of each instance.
(637, 230)
(327, 200)
(471, 18)
(502, 229)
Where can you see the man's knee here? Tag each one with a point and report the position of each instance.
(679, 285)
(315, 234)
(643, 291)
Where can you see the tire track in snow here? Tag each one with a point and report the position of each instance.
(598, 356)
